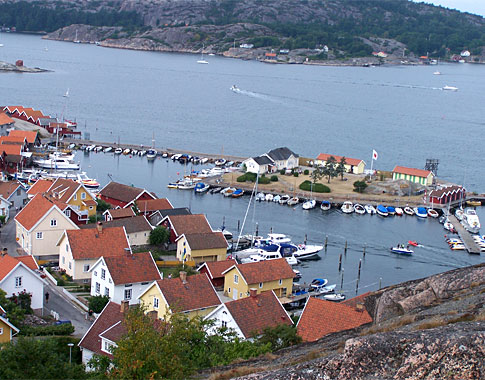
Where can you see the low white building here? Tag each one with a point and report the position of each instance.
(275, 159)
(260, 164)
(123, 278)
(17, 275)
(249, 316)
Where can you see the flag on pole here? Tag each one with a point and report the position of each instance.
(374, 155)
(184, 255)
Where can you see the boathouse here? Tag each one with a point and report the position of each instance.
(352, 165)
(5, 123)
(120, 195)
(446, 194)
(423, 177)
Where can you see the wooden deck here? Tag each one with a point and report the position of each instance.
(467, 238)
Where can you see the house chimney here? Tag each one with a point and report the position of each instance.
(124, 306)
(359, 307)
(253, 292)
(4, 252)
(183, 277)
(99, 226)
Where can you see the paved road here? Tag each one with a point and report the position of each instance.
(57, 300)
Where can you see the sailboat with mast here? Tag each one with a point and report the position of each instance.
(202, 60)
(310, 203)
(152, 153)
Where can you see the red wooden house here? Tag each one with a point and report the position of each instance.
(447, 194)
(119, 195)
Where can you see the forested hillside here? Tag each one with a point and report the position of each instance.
(339, 24)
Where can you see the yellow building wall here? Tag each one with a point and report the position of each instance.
(79, 201)
(147, 301)
(200, 255)
(359, 169)
(243, 288)
(5, 336)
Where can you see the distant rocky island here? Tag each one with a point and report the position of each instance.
(366, 32)
(20, 68)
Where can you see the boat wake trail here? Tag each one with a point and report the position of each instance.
(258, 95)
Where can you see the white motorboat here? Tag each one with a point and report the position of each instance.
(56, 163)
(277, 198)
(90, 148)
(186, 184)
(370, 209)
(229, 192)
(204, 160)
(309, 204)
(433, 213)
(327, 289)
(141, 153)
(201, 187)
(220, 162)
(449, 226)
(317, 284)
(459, 214)
(278, 238)
(134, 152)
(382, 211)
(284, 199)
(408, 210)
(89, 183)
(118, 151)
(450, 88)
(421, 212)
(234, 88)
(400, 249)
(359, 209)
(399, 211)
(260, 197)
(307, 251)
(202, 60)
(127, 151)
(347, 207)
(326, 205)
(108, 149)
(437, 73)
(64, 156)
(470, 221)
(272, 252)
(98, 149)
(176, 157)
(71, 146)
(334, 297)
(293, 201)
(269, 197)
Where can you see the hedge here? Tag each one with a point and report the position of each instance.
(317, 187)
(64, 329)
(274, 178)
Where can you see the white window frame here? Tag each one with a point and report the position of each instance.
(83, 195)
(75, 197)
(53, 222)
(281, 281)
(236, 279)
(39, 235)
(103, 274)
(18, 282)
(68, 213)
(70, 265)
(128, 294)
(63, 259)
(260, 285)
(155, 303)
(97, 288)
(106, 291)
(86, 268)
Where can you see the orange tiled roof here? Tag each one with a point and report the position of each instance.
(12, 139)
(264, 271)
(320, 318)
(189, 224)
(8, 188)
(29, 261)
(91, 244)
(196, 293)
(40, 186)
(29, 135)
(12, 150)
(7, 263)
(132, 268)
(348, 160)
(150, 205)
(4, 119)
(63, 189)
(411, 171)
(215, 268)
(255, 313)
(33, 211)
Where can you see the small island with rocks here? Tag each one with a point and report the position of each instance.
(20, 68)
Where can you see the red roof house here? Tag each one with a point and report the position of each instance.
(214, 270)
(117, 194)
(179, 225)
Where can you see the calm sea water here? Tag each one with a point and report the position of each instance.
(398, 111)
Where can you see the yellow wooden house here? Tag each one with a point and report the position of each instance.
(191, 295)
(201, 247)
(275, 275)
(352, 165)
(420, 176)
(7, 330)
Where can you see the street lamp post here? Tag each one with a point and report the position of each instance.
(70, 351)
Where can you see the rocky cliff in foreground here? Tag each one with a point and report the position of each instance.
(433, 328)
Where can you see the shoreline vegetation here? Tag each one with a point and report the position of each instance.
(5, 66)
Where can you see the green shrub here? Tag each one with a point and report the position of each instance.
(274, 178)
(316, 187)
(64, 329)
(282, 171)
(2, 218)
(241, 178)
(306, 172)
(359, 186)
(296, 174)
(264, 180)
(97, 303)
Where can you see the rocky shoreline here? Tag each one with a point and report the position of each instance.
(5, 66)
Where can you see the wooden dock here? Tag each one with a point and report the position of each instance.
(465, 236)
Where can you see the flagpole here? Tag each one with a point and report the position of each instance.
(371, 164)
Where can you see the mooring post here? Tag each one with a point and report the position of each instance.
(326, 242)
(223, 222)
(271, 230)
(340, 263)
(238, 225)
(257, 230)
(305, 239)
(380, 282)
(357, 287)
(358, 275)
(342, 280)
(365, 245)
(345, 250)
